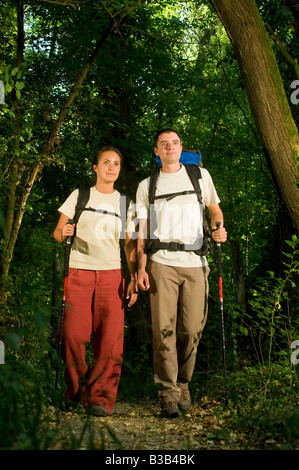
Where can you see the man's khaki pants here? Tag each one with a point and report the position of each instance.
(179, 304)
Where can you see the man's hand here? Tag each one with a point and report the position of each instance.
(219, 235)
(143, 280)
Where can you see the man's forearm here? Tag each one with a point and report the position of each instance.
(141, 244)
(141, 255)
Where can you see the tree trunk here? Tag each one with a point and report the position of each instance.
(266, 94)
(16, 226)
(14, 174)
(11, 201)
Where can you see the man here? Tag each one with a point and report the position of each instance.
(177, 280)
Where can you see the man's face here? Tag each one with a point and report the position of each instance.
(169, 147)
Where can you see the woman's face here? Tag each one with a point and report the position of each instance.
(108, 167)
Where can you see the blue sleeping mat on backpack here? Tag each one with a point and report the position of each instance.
(192, 157)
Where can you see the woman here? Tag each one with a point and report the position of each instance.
(95, 289)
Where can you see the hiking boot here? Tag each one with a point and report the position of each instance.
(170, 410)
(185, 400)
(97, 410)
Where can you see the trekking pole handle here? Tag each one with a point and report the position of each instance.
(218, 244)
(69, 238)
(68, 245)
(218, 225)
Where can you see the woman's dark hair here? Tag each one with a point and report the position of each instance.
(100, 152)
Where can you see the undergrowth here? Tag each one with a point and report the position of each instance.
(260, 398)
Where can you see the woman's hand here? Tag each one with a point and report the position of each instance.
(63, 229)
(67, 231)
(132, 292)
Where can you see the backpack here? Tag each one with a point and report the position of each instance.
(191, 160)
(83, 198)
(192, 157)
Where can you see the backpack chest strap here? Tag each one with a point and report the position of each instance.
(101, 211)
(170, 196)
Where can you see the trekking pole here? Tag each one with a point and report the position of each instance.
(66, 270)
(219, 256)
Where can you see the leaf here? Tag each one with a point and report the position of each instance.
(42, 317)
(8, 87)
(20, 85)
(13, 340)
(292, 421)
(197, 426)
(14, 71)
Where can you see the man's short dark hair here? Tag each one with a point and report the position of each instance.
(166, 131)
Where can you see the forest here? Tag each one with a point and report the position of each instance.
(76, 75)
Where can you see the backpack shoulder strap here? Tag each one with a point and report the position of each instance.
(152, 186)
(124, 207)
(82, 200)
(194, 174)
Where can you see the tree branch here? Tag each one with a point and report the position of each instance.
(113, 24)
(289, 58)
(67, 3)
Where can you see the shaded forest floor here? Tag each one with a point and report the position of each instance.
(138, 426)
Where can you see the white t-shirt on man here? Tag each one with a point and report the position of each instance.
(178, 219)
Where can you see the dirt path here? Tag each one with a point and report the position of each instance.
(138, 426)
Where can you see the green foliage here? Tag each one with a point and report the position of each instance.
(20, 405)
(261, 401)
(274, 321)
